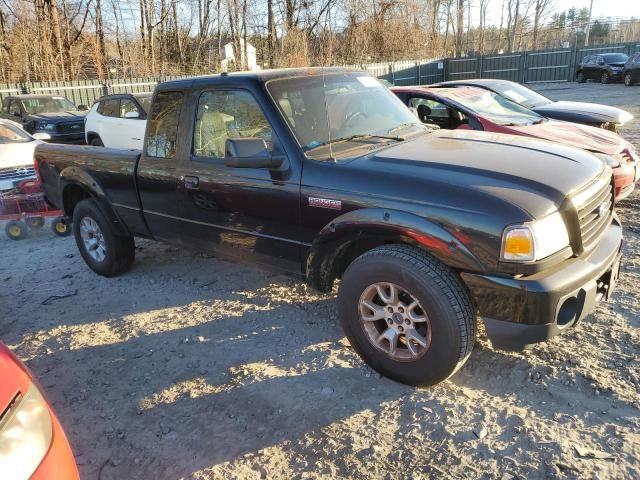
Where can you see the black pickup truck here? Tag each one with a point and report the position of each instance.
(325, 175)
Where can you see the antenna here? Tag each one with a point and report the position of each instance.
(326, 112)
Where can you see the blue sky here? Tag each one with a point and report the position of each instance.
(601, 8)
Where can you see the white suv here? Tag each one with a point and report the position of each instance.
(118, 121)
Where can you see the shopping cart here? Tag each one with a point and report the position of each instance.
(25, 208)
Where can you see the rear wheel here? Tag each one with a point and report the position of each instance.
(106, 252)
(61, 227)
(407, 315)
(604, 78)
(16, 230)
(580, 77)
(627, 79)
(97, 142)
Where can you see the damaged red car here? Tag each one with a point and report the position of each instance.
(32, 443)
(479, 109)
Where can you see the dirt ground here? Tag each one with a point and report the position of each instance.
(194, 367)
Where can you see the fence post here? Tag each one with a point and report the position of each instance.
(393, 73)
(524, 67)
(480, 66)
(417, 73)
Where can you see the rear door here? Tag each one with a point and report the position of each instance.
(131, 129)
(109, 117)
(249, 213)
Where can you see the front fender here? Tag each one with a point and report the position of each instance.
(376, 226)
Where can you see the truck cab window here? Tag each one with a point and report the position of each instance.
(163, 125)
(127, 106)
(227, 114)
(110, 108)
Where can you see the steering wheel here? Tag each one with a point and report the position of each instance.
(354, 116)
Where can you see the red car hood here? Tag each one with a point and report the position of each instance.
(13, 378)
(575, 135)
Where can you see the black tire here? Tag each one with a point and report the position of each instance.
(61, 227)
(446, 302)
(16, 230)
(627, 79)
(604, 78)
(580, 77)
(96, 142)
(119, 251)
(34, 223)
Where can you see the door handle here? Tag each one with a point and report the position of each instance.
(190, 182)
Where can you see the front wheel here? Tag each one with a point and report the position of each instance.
(627, 79)
(96, 142)
(407, 315)
(604, 78)
(105, 252)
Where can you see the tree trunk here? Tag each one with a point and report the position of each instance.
(460, 28)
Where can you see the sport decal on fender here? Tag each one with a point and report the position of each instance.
(325, 203)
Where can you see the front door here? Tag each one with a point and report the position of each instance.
(249, 213)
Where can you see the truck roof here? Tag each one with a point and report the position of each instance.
(260, 76)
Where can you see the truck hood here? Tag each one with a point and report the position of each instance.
(532, 175)
(59, 116)
(15, 155)
(601, 112)
(575, 135)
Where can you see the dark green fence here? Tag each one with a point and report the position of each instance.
(553, 65)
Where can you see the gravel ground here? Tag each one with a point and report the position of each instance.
(194, 367)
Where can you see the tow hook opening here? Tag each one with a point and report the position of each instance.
(568, 312)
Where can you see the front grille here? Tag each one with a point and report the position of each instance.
(72, 127)
(20, 173)
(595, 211)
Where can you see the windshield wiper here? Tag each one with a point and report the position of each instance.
(356, 138)
(538, 122)
(404, 125)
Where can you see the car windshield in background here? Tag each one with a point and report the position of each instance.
(341, 109)
(615, 58)
(13, 134)
(494, 107)
(521, 95)
(47, 104)
(144, 101)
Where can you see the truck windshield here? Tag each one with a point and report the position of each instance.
(494, 107)
(345, 108)
(47, 104)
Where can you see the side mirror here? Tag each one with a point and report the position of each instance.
(41, 136)
(83, 108)
(132, 114)
(249, 153)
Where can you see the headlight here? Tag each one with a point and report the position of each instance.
(25, 436)
(534, 241)
(47, 126)
(608, 160)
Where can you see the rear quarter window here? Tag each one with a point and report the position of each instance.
(162, 131)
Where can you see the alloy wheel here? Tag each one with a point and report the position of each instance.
(93, 239)
(394, 321)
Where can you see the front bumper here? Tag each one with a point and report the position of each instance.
(522, 311)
